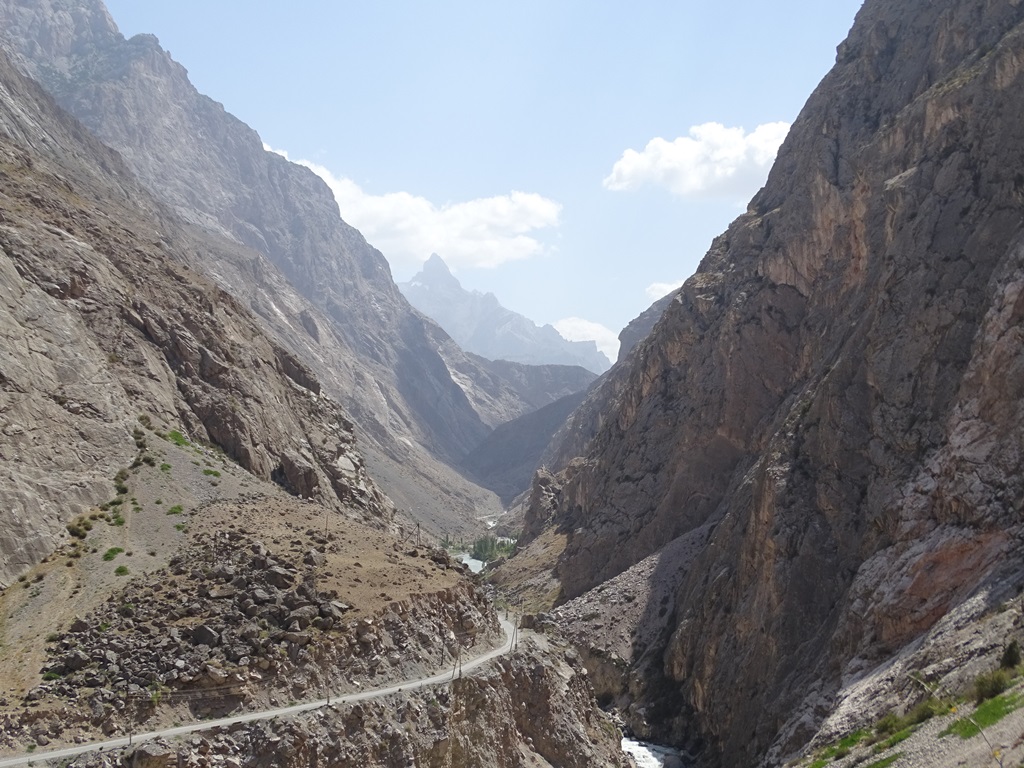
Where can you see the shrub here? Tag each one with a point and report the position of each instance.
(121, 570)
(212, 472)
(989, 684)
(1011, 655)
(111, 553)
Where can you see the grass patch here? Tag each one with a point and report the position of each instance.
(111, 553)
(988, 713)
(179, 527)
(211, 472)
(840, 749)
(895, 739)
(121, 570)
(177, 438)
(177, 509)
(51, 675)
(165, 467)
(891, 723)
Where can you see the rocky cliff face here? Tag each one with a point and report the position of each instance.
(104, 322)
(418, 401)
(835, 396)
(482, 326)
(640, 326)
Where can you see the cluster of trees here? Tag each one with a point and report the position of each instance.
(485, 549)
(491, 548)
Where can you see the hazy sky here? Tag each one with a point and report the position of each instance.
(574, 158)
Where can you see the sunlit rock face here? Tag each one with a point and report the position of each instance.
(836, 394)
(419, 402)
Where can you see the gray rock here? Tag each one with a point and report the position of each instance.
(205, 635)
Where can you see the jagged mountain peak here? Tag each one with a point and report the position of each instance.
(435, 275)
(480, 324)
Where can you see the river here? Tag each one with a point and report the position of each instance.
(651, 755)
(474, 565)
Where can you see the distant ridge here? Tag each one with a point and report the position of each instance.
(479, 323)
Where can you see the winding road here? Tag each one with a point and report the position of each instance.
(247, 717)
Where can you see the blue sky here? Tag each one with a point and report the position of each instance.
(570, 157)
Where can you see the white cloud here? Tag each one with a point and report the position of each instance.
(578, 329)
(713, 161)
(656, 290)
(484, 232)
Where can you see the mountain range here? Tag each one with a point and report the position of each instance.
(480, 324)
(784, 528)
(419, 403)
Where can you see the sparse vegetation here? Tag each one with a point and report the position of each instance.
(177, 509)
(121, 570)
(212, 472)
(111, 553)
(990, 684)
(177, 438)
(1011, 656)
(988, 713)
(165, 467)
